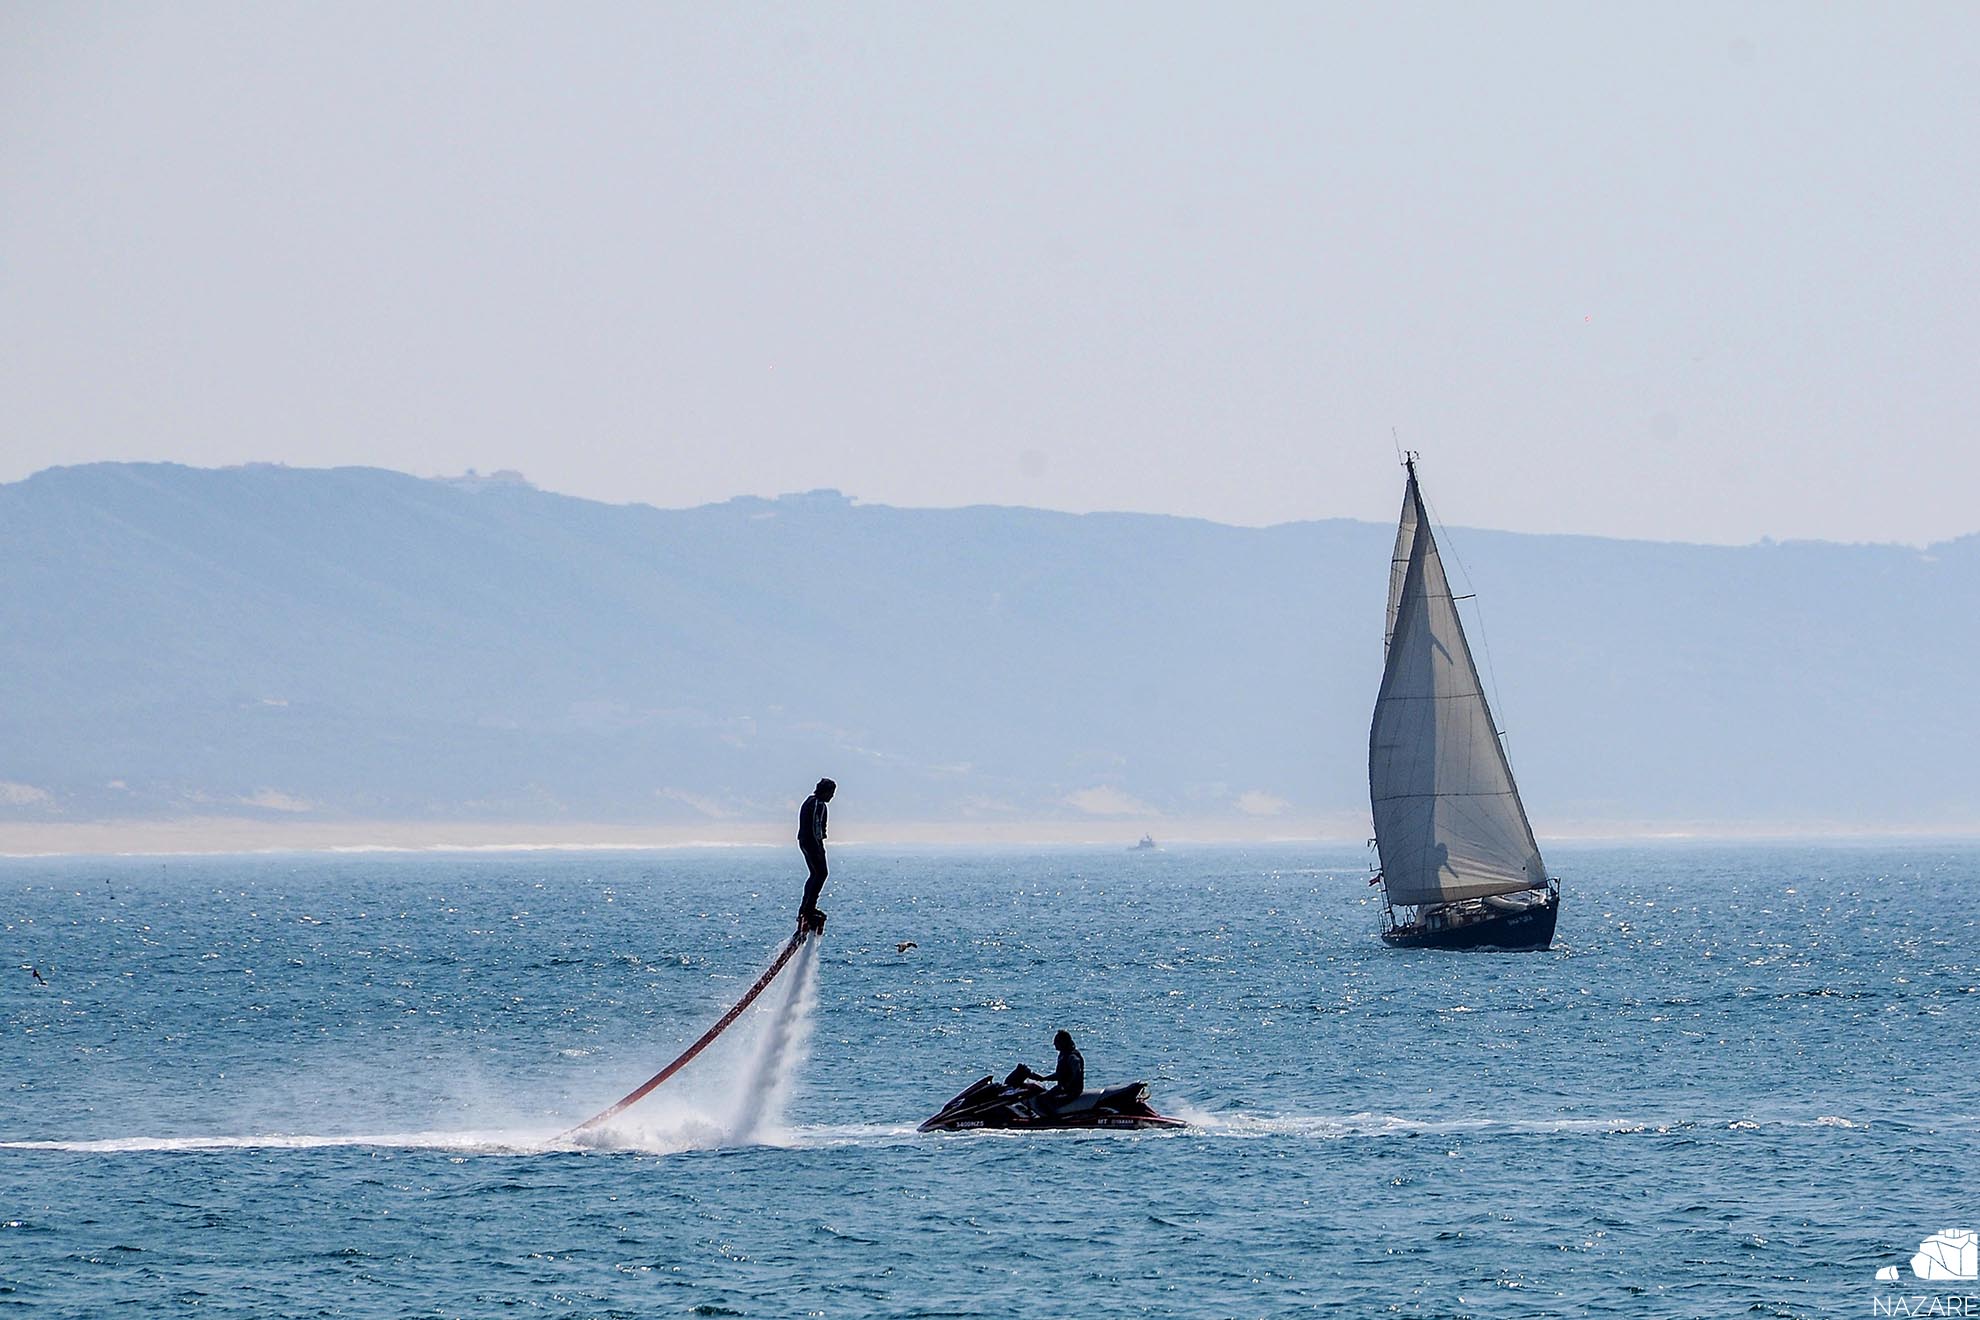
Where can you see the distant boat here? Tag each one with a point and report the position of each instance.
(1460, 869)
(1147, 844)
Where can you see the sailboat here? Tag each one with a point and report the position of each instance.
(1459, 867)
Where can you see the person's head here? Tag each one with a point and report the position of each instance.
(1062, 1041)
(826, 788)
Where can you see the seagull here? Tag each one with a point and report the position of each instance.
(36, 974)
(905, 945)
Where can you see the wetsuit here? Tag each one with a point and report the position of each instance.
(811, 842)
(1068, 1083)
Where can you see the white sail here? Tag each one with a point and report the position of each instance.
(1448, 820)
(1399, 560)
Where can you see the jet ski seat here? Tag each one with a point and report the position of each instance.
(1128, 1094)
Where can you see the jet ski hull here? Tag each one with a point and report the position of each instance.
(1013, 1106)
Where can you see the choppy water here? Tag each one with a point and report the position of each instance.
(1744, 1080)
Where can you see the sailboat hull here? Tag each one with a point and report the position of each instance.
(1479, 926)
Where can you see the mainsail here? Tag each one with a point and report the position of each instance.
(1448, 820)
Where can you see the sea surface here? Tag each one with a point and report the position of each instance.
(1744, 1080)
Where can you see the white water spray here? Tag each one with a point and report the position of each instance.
(764, 1088)
(747, 1109)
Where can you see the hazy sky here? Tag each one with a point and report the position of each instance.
(1676, 271)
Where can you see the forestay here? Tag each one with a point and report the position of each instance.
(1448, 820)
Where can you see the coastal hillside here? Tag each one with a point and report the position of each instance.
(361, 644)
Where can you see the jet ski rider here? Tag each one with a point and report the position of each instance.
(1068, 1081)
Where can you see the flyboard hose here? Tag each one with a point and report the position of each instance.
(641, 1091)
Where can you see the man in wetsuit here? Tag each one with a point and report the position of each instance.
(1068, 1080)
(811, 842)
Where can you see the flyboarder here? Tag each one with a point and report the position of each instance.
(811, 842)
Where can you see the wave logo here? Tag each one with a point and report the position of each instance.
(1947, 1257)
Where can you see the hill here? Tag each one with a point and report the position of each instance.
(357, 644)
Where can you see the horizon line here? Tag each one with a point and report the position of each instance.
(245, 837)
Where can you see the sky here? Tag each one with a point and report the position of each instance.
(1673, 271)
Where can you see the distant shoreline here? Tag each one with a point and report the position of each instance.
(235, 836)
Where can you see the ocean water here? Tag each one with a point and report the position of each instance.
(1743, 1081)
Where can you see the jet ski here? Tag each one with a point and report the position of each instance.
(1018, 1104)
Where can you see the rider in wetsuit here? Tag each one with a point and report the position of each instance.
(811, 842)
(1069, 1080)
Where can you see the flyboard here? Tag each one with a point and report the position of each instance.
(646, 1087)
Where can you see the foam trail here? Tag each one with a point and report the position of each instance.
(766, 1086)
(473, 1142)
